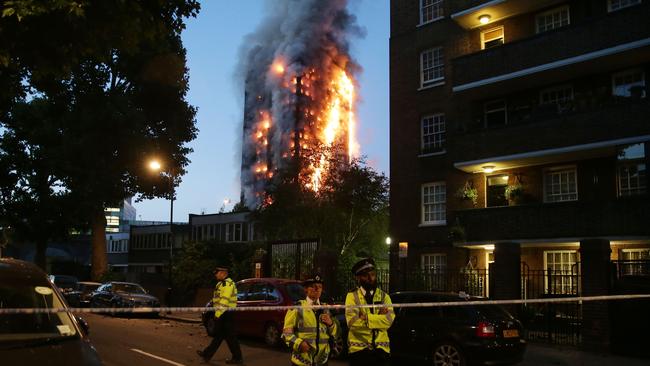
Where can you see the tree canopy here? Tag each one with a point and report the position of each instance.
(89, 90)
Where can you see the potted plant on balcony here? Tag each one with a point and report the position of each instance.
(514, 193)
(468, 193)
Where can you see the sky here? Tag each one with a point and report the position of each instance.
(212, 40)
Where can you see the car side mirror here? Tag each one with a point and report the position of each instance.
(83, 324)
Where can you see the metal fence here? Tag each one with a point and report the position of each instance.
(557, 323)
(292, 259)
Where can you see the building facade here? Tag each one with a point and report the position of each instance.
(520, 138)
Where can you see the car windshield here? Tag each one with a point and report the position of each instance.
(296, 291)
(20, 327)
(129, 288)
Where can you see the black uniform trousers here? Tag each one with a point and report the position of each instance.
(225, 329)
(366, 357)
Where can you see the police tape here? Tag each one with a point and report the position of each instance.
(149, 310)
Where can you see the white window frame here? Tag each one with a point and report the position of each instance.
(438, 209)
(555, 92)
(614, 5)
(484, 40)
(433, 262)
(435, 129)
(231, 232)
(437, 11)
(635, 250)
(551, 13)
(625, 73)
(641, 185)
(560, 197)
(567, 285)
(436, 53)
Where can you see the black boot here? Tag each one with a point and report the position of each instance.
(235, 361)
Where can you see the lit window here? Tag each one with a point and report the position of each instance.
(434, 203)
(613, 5)
(632, 178)
(560, 185)
(562, 272)
(432, 67)
(629, 83)
(436, 263)
(492, 38)
(553, 19)
(433, 133)
(495, 113)
(430, 10)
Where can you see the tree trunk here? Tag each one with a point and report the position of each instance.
(39, 256)
(99, 262)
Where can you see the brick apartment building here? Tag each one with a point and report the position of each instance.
(520, 137)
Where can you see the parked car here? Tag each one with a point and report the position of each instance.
(39, 339)
(65, 283)
(452, 335)
(123, 295)
(81, 294)
(260, 292)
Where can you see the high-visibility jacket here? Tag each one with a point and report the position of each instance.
(301, 325)
(225, 294)
(371, 333)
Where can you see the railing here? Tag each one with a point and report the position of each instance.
(637, 268)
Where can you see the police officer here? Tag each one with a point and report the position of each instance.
(368, 342)
(225, 295)
(306, 331)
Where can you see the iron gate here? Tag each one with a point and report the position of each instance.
(293, 259)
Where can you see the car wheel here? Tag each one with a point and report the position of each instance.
(272, 335)
(447, 354)
(210, 326)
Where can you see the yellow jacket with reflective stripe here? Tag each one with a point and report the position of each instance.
(225, 294)
(300, 325)
(360, 334)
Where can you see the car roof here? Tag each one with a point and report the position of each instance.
(18, 269)
(89, 283)
(124, 283)
(451, 296)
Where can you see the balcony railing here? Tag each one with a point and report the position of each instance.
(609, 31)
(557, 220)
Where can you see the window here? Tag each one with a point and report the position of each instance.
(636, 262)
(553, 19)
(234, 232)
(560, 96)
(561, 272)
(434, 267)
(492, 38)
(495, 113)
(433, 133)
(632, 177)
(629, 83)
(431, 67)
(434, 262)
(118, 246)
(496, 190)
(560, 184)
(613, 5)
(430, 10)
(434, 207)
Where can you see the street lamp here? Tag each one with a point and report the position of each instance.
(156, 166)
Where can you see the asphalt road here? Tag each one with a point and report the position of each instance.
(125, 341)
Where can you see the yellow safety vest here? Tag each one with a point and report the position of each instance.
(225, 294)
(301, 325)
(371, 333)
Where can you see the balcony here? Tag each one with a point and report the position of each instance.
(467, 12)
(617, 40)
(622, 217)
(589, 123)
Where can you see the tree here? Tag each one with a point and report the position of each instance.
(115, 73)
(349, 213)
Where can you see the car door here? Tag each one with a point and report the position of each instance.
(242, 320)
(416, 329)
(257, 320)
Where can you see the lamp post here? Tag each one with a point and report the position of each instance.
(155, 165)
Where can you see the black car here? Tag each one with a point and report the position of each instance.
(123, 295)
(81, 294)
(65, 283)
(39, 339)
(452, 335)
